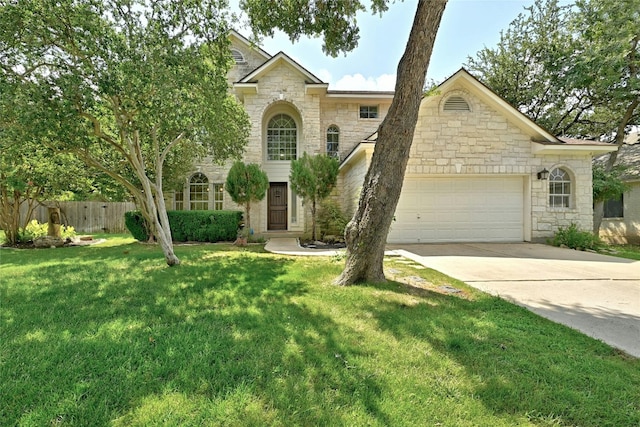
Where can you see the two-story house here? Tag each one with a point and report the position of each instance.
(479, 169)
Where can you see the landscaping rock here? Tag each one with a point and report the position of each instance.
(48, 242)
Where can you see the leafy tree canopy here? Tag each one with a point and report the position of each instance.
(574, 69)
(132, 87)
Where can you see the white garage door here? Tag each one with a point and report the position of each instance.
(472, 209)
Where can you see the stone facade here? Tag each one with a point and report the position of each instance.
(485, 138)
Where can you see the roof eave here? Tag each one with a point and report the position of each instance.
(595, 150)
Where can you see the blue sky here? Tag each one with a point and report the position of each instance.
(467, 26)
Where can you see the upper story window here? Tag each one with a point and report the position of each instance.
(559, 188)
(333, 137)
(614, 208)
(368, 111)
(282, 138)
(456, 103)
(237, 56)
(199, 192)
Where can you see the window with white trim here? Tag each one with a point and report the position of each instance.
(333, 137)
(199, 192)
(218, 196)
(179, 200)
(559, 188)
(282, 138)
(368, 111)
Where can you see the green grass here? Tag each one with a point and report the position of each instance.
(108, 335)
(623, 251)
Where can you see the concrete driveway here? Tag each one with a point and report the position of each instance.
(596, 294)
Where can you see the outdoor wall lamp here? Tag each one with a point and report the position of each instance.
(543, 174)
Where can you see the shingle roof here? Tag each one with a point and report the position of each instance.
(628, 158)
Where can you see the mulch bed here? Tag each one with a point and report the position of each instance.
(310, 244)
(76, 241)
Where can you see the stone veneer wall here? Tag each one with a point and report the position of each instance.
(351, 179)
(483, 142)
(627, 229)
(345, 113)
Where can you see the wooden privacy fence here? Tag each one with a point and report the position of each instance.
(88, 217)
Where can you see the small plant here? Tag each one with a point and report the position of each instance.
(34, 229)
(331, 219)
(574, 238)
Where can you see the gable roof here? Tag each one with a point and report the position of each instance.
(233, 34)
(275, 60)
(475, 86)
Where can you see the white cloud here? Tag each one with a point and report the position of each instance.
(325, 76)
(357, 81)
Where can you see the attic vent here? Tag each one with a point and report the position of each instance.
(237, 56)
(456, 103)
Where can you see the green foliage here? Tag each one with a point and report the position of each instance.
(313, 178)
(136, 89)
(335, 22)
(246, 183)
(137, 226)
(204, 226)
(34, 229)
(574, 238)
(572, 69)
(193, 226)
(104, 336)
(331, 219)
(608, 184)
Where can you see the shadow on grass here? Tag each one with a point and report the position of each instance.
(117, 334)
(518, 361)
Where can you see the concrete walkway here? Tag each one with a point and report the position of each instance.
(596, 294)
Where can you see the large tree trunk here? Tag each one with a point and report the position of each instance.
(366, 233)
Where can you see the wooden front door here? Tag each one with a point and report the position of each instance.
(277, 206)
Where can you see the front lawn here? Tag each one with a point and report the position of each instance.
(108, 335)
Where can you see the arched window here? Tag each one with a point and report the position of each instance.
(559, 188)
(333, 137)
(237, 56)
(199, 192)
(282, 138)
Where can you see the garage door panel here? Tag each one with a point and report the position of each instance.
(460, 210)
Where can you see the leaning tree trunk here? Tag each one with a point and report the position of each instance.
(366, 233)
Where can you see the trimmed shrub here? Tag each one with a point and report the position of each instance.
(574, 238)
(136, 225)
(194, 226)
(331, 219)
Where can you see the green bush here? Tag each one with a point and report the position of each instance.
(574, 238)
(195, 226)
(331, 219)
(34, 229)
(136, 225)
